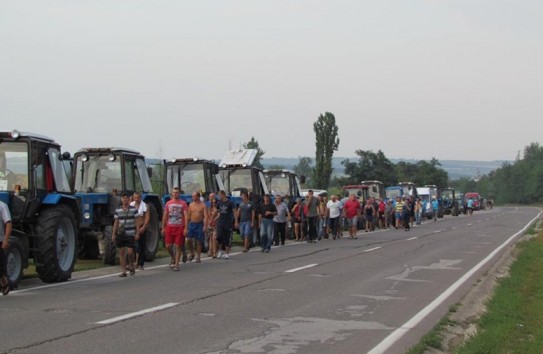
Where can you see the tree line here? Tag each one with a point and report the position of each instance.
(520, 182)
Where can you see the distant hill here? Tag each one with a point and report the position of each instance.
(455, 168)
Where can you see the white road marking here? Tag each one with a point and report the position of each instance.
(373, 249)
(301, 268)
(415, 320)
(137, 314)
(412, 238)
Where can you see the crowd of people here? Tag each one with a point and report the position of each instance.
(208, 225)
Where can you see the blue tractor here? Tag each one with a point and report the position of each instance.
(35, 186)
(100, 175)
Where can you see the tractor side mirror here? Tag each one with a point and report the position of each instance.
(150, 171)
(302, 179)
(359, 193)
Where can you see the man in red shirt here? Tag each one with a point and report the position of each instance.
(382, 208)
(173, 227)
(351, 212)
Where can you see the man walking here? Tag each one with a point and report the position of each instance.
(265, 220)
(333, 213)
(313, 212)
(173, 221)
(125, 233)
(197, 221)
(280, 221)
(142, 219)
(351, 212)
(246, 216)
(225, 219)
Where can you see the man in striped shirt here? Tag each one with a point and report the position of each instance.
(125, 233)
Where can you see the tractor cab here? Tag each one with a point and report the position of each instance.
(239, 176)
(449, 201)
(191, 175)
(100, 175)
(285, 183)
(360, 190)
(376, 189)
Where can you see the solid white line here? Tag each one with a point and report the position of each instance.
(414, 321)
(301, 268)
(138, 313)
(412, 238)
(372, 249)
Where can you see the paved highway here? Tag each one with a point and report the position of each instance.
(377, 294)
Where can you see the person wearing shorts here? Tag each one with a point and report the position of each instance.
(174, 218)
(245, 213)
(225, 219)
(125, 233)
(351, 212)
(196, 219)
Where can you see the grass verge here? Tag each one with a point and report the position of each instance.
(513, 321)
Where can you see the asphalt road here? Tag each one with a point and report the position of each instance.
(377, 294)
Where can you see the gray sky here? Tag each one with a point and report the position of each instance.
(416, 79)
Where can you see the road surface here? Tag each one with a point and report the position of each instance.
(378, 294)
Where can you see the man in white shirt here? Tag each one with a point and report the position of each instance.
(333, 213)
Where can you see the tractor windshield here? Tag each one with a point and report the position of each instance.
(237, 180)
(98, 174)
(447, 194)
(393, 193)
(189, 177)
(278, 184)
(13, 166)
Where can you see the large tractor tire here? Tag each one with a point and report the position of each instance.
(15, 261)
(56, 244)
(110, 253)
(152, 234)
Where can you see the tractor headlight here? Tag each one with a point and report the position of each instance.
(87, 216)
(15, 134)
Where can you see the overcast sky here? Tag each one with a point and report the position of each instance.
(460, 80)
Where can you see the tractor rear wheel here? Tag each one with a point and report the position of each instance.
(56, 244)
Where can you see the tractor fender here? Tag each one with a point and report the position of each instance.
(64, 199)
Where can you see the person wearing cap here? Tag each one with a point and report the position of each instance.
(125, 233)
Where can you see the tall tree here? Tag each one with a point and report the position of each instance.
(327, 141)
(253, 144)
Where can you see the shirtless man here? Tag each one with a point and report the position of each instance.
(197, 221)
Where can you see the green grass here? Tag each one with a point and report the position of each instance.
(513, 322)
